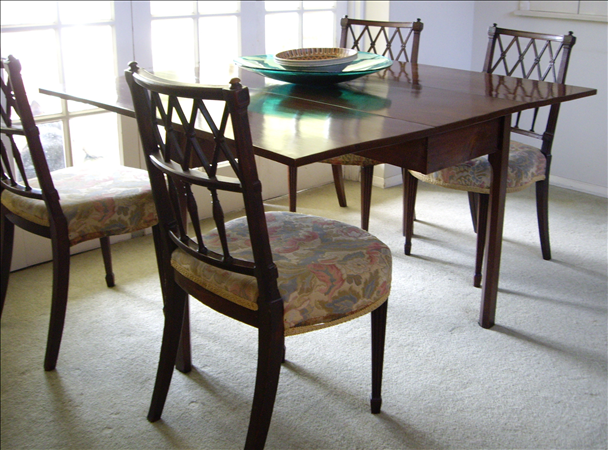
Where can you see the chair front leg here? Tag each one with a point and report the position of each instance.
(482, 222)
(474, 208)
(378, 338)
(7, 231)
(542, 212)
(271, 345)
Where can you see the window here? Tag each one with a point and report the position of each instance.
(204, 35)
(596, 11)
(57, 43)
(293, 24)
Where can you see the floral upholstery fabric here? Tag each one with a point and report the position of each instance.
(351, 160)
(98, 200)
(329, 272)
(527, 165)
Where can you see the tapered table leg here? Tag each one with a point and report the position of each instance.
(496, 209)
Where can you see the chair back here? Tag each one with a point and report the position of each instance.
(537, 56)
(18, 120)
(390, 39)
(180, 123)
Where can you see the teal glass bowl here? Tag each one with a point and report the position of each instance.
(265, 65)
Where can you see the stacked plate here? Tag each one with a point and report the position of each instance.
(316, 59)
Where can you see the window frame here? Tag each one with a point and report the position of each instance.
(560, 10)
(131, 23)
(65, 114)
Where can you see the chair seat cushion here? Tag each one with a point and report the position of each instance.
(329, 272)
(527, 165)
(97, 199)
(352, 160)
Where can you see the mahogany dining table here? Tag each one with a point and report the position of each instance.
(414, 116)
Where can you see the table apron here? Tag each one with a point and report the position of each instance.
(442, 150)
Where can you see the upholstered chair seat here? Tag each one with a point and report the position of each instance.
(527, 165)
(97, 200)
(329, 272)
(351, 160)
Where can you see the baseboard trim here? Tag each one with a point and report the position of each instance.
(600, 191)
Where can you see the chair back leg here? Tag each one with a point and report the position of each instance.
(474, 208)
(7, 232)
(183, 363)
(107, 260)
(481, 220)
(174, 298)
(336, 170)
(410, 187)
(292, 178)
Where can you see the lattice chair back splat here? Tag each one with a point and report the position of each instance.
(399, 41)
(526, 55)
(269, 270)
(69, 206)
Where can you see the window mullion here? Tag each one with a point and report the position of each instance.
(65, 114)
(132, 32)
(301, 30)
(197, 40)
(253, 38)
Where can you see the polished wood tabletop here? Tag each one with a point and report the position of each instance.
(415, 116)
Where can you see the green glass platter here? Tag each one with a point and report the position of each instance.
(265, 65)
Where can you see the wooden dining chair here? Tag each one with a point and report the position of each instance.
(283, 273)
(399, 41)
(519, 54)
(68, 206)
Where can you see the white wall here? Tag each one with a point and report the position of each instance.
(455, 35)
(448, 30)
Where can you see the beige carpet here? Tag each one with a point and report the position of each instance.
(537, 380)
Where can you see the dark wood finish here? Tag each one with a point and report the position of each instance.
(409, 104)
(528, 55)
(390, 39)
(495, 217)
(367, 177)
(18, 119)
(107, 260)
(410, 185)
(338, 182)
(168, 154)
(378, 338)
(480, 212)
(293, 186)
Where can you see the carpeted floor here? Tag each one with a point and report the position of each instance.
(537, 380)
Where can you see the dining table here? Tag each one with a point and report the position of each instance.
(415, 116)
